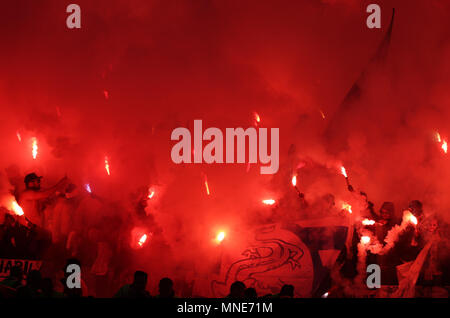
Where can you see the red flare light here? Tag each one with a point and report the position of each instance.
(365, 239)
(443, 142)
(220, 237)
(294, 180)
(347, 207)
(368, 222)
(444, 146)
(413, 219)
(106, 94)
(16, 208)
(142, 240)
(257, 118)
(268, 201)
(107, 166)
(34, 146)
(207, 187)
(344, 172)
(322, 114)
(88, 187)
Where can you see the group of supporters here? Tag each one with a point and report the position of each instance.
(64, 222)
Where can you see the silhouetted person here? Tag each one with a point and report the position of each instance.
(237, 290)
(33, 287)
(48, 291)
(135, 289)
(166, 288)
(32, 198)
(250, 293)
(287, 291)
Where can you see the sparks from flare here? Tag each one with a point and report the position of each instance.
(107, 166)
(268, 201)
(16, 208)
(34, 150)
(220, 236)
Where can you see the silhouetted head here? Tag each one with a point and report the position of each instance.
(47, 285)
(416, 208)
(166, 288)
(34, 279)
(32, 181)
(237, 289)
(9, 220)
(250, 293)
(140, 280)
(387, 211)
(16, 272)
(287, 291)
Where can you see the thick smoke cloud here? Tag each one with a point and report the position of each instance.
(137, 70)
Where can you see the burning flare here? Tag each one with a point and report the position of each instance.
(107, 166)
(88, 187)
(322, 114)
(444, 146)
(220, 237)
(16, 208)
(442, 141)
(142, 240)
(34, 146)
(151, 193)
(294, 180)
(347, 207)
(18, 136)
(344, 172)
(368, 222)
(269, 201)
(365, 239)
(413, 219)
(257, 118)
(207, 187)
